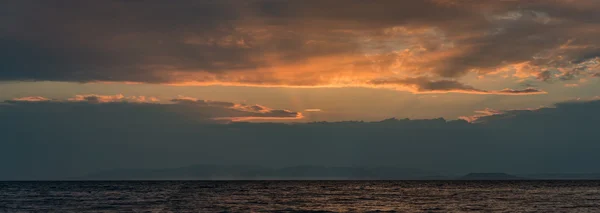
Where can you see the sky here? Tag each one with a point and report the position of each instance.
(353, 60)
(292, 61)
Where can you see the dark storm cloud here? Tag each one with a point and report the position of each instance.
(61, 139)
(112, 40)
(358, 13)
(264, 42)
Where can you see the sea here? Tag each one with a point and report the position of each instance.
(300, 196)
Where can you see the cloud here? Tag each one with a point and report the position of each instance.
(563, 110)
(244, 112)
(267, 114)
(202, 110)
(481, 114)
(490, 115)
(195, 101)
(30, 99)
(313, 110)
(296, 43)
(61, 139)
(113, 98)
(544, 76)
(526, 91)
(571, 85)
(426, 85)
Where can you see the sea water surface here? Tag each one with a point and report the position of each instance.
(301, 196)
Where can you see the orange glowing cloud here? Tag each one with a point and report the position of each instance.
(298, 44)
(313, 110)
(480, 114)
(31, 99)
(113, 98)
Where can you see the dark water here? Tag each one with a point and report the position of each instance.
(301, 196)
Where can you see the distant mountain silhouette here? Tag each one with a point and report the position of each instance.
(490, 176)
(212, 172)
(248, 172)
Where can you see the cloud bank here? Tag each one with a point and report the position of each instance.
(298, 43)
(425, 85)
(53, 139)
(193, 109)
